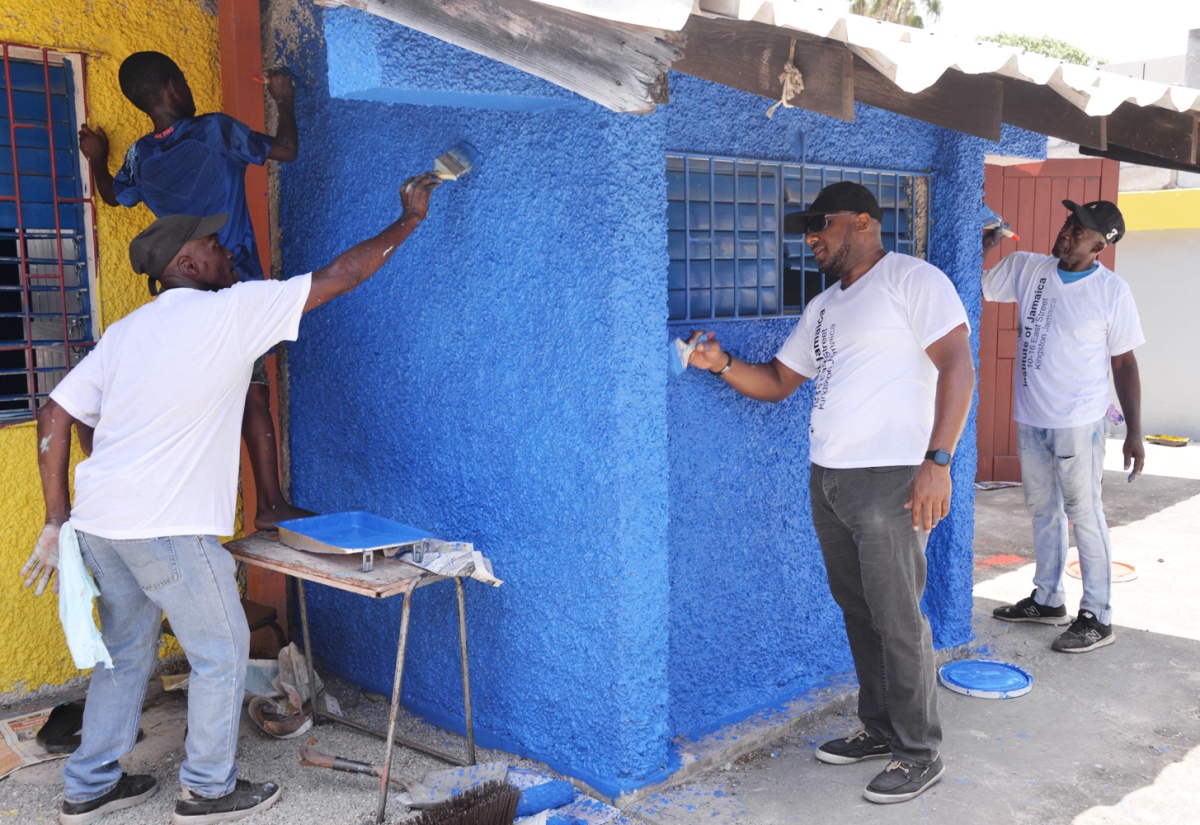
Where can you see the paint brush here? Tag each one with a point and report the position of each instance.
(992, 222)
(681, 353)
(1004, 229)
(456, 162)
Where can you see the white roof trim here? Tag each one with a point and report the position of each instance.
(911, 58)
(654, 14)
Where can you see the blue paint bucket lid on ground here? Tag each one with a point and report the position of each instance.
(986, 680)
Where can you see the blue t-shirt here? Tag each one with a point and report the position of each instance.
(197, 166)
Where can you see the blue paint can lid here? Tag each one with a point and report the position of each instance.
(985, 680)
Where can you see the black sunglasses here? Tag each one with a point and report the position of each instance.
(819, 223)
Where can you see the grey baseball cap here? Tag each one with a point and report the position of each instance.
(157, 245)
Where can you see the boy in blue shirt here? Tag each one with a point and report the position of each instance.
(196, 165)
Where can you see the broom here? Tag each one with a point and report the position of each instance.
(492, 803)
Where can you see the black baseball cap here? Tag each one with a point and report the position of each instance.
(1100, 216)
(157, 245)
(844, 196)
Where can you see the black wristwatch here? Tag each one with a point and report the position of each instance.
(939, 457)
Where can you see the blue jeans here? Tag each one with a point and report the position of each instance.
(1061, 471)
(876, 566)
(192, 580)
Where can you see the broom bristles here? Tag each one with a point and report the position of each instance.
(492, 803)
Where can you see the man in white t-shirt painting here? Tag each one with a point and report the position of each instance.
(164, 390)
(1075, 318)
(888, 350)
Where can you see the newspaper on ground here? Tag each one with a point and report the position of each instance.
(453, 558)
(19, 747)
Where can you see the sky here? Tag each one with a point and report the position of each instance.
(1118, 31)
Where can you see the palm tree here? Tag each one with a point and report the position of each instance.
(903, 12)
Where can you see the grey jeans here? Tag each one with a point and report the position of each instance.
(876, 567)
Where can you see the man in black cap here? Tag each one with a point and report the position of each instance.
(1076, 318)
(164, 390)
(888, 349)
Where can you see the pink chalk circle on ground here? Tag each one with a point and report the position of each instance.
(1121, 572)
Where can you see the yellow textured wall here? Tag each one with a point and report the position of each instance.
(33, 655)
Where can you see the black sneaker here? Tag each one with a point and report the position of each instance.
(856, 747)
(1028, 610)
(245, 799)
(129, 791)
(1085, 633)
(901, 781)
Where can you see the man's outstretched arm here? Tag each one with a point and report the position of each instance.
(360, 262)
(772, 381)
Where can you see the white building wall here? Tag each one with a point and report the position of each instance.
(1162, 268)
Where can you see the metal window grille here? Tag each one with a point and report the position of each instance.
(729, 258)
(46, 226)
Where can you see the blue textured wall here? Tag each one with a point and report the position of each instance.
(503, 381)
(739, 468)
(493, 384)
(375, 59)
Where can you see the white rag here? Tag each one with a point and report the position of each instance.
(76, 595)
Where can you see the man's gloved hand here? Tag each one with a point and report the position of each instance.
(43, 562)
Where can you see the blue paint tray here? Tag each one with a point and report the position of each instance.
(350, 532)
(986, 680)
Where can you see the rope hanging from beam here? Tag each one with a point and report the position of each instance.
(792, 80)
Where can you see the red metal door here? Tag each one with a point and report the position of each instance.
(1030, 198)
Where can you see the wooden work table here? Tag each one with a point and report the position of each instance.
(388, 577)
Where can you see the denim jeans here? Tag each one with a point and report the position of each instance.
(876, 566)
(1061, 471)
(192, 580)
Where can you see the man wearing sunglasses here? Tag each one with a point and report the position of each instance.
(887, 348)
(1076, 319)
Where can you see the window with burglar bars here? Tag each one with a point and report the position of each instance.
(46, 300)
(729, 257)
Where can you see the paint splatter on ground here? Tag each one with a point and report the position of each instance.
(999, 560)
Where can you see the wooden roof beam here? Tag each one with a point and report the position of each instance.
(1127, 155)
(618, 66)
(966, 103)
(1154, 131)
(751, 57)
(1041, 109)
(1149, 135)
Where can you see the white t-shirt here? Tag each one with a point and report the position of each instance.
(865, 348)
(1066, 336)
(164, 389)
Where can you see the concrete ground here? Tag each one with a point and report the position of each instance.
(1111, 736)
(1104, 738)
(311, 796)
